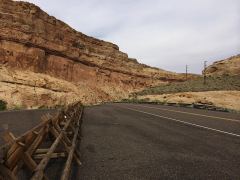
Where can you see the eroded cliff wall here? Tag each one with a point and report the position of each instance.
(31, 40)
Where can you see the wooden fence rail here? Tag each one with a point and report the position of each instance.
(33, 149)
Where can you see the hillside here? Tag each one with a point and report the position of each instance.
(222, 87)
(33, 41)
(196, 85)
(229, 66)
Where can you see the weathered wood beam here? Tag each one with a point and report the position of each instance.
(53, 155)
(15, 156)
(66, 145)
(42, 165)
(67, 168)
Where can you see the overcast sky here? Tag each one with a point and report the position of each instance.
(164, 33)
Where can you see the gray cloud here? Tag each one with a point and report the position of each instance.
(165, 33)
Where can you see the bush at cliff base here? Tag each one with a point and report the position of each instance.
(3, 105)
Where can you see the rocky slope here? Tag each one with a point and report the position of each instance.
(33, 41)
(229, 66)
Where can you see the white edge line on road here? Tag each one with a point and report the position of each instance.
(183, 112)
(196, 125)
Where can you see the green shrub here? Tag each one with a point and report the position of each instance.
(18, 107)
(3, 105)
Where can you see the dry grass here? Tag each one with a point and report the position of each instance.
(213, 84)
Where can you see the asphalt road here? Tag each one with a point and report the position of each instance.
(127, 141)
(19, 122)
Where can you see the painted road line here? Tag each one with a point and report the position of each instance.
(183, 122)
(215, 117)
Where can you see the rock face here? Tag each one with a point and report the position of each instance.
(230, 66)
(25, 89)
(31, 40)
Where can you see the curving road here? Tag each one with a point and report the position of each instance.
(128, 141)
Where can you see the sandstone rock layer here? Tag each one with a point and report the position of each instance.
(229, 66)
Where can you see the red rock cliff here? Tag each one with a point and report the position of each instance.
(32, 40)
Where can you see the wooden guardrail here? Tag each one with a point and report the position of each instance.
(27, 150)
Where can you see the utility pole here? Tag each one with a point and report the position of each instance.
(204, 73)
(186, 72)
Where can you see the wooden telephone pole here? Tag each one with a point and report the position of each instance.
(186, 72)
(204, 73)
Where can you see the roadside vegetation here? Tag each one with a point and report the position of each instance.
(178, 104)
(196, 85)
(143, 101)
(134, 100)
(3, 105)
